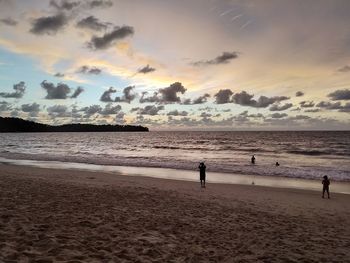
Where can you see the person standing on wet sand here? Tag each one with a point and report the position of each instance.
(253, 159)
(202, 168)
(326, 184)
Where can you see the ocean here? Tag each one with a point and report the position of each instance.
(301, 154)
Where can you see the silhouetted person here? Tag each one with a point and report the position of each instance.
(277, 164)
(326, 184)
(202, 168)
(253, 159)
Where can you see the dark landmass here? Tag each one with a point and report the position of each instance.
(20, 125)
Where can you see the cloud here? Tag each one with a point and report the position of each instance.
(108, 39)
(64, 5)
(224, 58)
(89, 70)
(60, 91)
(8, 21)
(205, 115)
(18, 93)
(278, 115)
(245, 99)
(146, 69)
(169, 94)
(110, 109)
(119, 117)
(59, 75)
(223, 96)
(312, 110)
(128, 95)
(200, 100)
(277, 107)
(5, 106)
(344, 69)
(100, 3)
(49, 25)
(58, 111)
(106, 96)
(177, 113)
(334, 106)
(77, 92)
(299, 94)
(165, 95)
(91, 110)
(307, 104)
(340, 95)
(148, 110)
(93, 23)
(34, 107)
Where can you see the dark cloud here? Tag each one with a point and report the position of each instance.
(224, 58)
(119, 117)
(148, 110)
(146, 69)
(108, 39)
(169, 94)
(334, 106)
(59, 75)
(307, 104)
(200, 100)
(100, 3)
(110, 109)
(77, 92)
(245, 99)
(205, 115)
(152, 99)
(91, 110)
(165, 95)
(60, 91)
(106, 96)
(49, 25)
(5, 106)
(223, 96)
(64, 4)
(344, 69)
(89, 70)
(312, 110)
(278, 115)
(340, 95)
(34, 107)
(278, 107)
(18, 93)
(58, 111)
(93, 23)
(128, 95)
(330, 105)
(177, 113)
(8, 21)
(299, 94)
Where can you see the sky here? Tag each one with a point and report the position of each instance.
(177, 64)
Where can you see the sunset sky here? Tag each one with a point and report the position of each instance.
(177, 64)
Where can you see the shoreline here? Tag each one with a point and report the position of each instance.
(54, 215)
(186, 175)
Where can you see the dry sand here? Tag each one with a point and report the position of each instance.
(51, 215)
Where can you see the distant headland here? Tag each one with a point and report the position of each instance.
(20, 125)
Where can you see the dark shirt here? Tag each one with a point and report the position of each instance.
(326, 183)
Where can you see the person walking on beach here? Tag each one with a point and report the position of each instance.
(253, 159)
(202, 168)
(326, 184)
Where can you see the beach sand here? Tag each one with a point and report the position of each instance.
(49, 215)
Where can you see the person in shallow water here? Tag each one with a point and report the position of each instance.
(202, 168)
(277, 164)
(326, 184)
(253, 159)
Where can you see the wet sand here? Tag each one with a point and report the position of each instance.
(49, 215)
